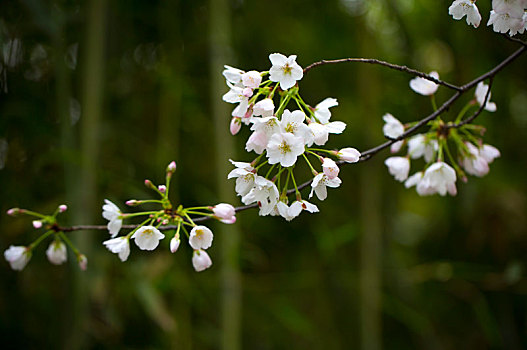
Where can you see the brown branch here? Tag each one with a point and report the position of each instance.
(385, 64)
(366, 155)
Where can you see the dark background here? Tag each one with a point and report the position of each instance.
(100, 95)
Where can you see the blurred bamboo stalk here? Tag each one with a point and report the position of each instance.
(92, 105)
(370, 203)
(220, 37)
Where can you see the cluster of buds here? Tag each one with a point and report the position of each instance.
(438, 176)
(505, 16)
(281, 136)
(147, 235)
(57, 252)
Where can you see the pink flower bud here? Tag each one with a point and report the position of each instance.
(162, 188)
(247, 92)
(63, 208)
(330, 168)
(349, 155)
(230, 220)
(171, 168)
(83, 262)
(174, 244)
(37, 224)
(148, 183)
(13, 211)
(132, 202)
(236, 125)
(224, 211)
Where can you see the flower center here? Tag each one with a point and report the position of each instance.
(284, 148)
(287, 69)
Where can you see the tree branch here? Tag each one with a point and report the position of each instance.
(366, 155)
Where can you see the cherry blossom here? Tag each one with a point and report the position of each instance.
(398, 167)
(349, 155)
(119, 246)
(438, 178)
(460, 8)
(112, 213)
(322, 112)
(147, 237)
(174, 244)
(419, 146)
(284, 148)
(481, 93)
(17, 257)
(233, 75)
(264, 108)
(244, 177)
(57, 253)
(201, 260)
(251, 79)
(265, 193)
(392, 128)
(319, 184)
(285, 70)
(200, 237)
(330, 168)
(424, 86)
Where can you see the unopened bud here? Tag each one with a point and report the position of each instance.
(37, 224)
(247, 92)
(174, 244)
(63, 208)
(149, 184)
(83, 262)
(132, 202)
(236, 125)
(162, 188)
(171, 168)
(13, 211)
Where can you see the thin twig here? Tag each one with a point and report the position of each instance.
(385, 64)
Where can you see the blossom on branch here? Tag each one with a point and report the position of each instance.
(17, 257)
(112, 213)
(57, 253)
(119, 246)
(200, 237)
(461, 8)
(424, 86)
(285, 70)
(201, 260)
(392, 128)
(481, 93)
(147, 237)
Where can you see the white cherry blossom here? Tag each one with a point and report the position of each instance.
(507, 22)
(398, 167)
(257, 142)
(201, 260)
(322, 112)
(293, 122)
(233, 75)
(438, 178)
(264, 108)
(477, 161)
(265, 193)
(119, 246)
(349, 155)
(112, 213)
(251, 79)
(200, 237)
(224, 211)
(174, 244)
(392, 128)
(481, 93)
(285, 70)
(424, 86)
(57, 253)
(147, 237)
(319, 184)
(17, 257)
(244, 176)
(330, 168)
(268, 125)
(284, 148)
(461, 8)
(419, 146)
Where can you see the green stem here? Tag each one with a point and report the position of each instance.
(433, 100)
(40, 239)
(32, 213)
(68, 242)
(309, 163)
(269, 171)
(463, 111)
(294, 182)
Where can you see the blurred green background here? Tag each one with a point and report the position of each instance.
(97, 96)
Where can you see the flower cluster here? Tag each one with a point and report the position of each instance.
(438, 176)
(281, 136)
(57, 254)
(505, 16)
(147, 235)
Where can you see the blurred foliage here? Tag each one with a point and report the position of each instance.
(452, 270)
